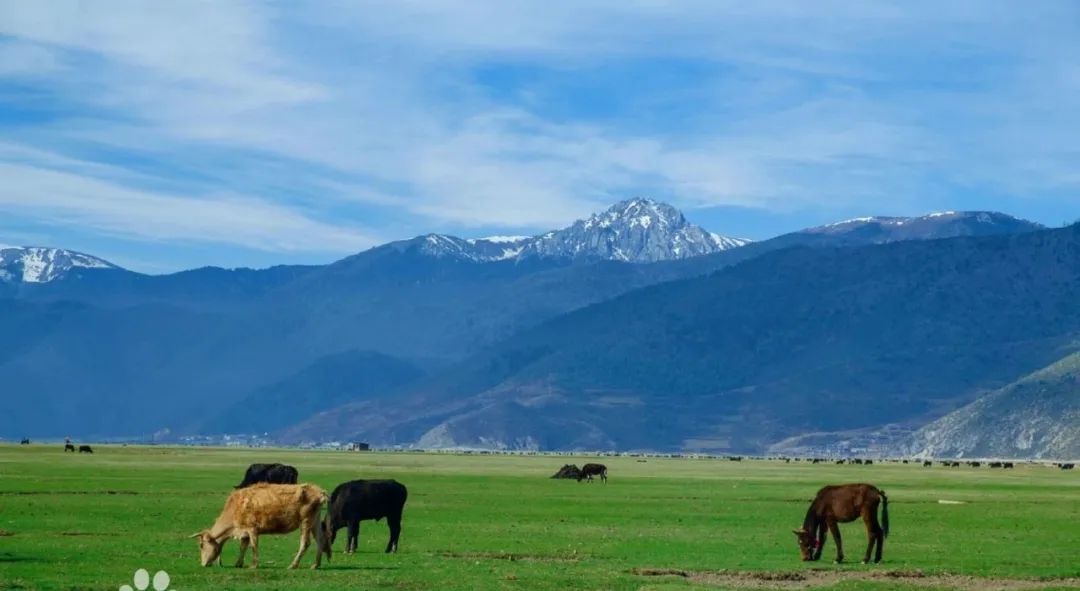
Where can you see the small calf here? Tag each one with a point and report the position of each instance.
(266, 509)
(360, 500)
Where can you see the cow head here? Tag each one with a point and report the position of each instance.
(209, 548)
(807, 543)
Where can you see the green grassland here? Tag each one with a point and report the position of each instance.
(73, 521)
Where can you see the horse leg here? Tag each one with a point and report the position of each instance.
(820, 536)
(872, 529)
(835, 529)
(879, 535)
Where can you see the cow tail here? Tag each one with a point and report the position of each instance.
(884, 513)
(322, 538)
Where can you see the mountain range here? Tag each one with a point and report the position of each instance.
(631, 329)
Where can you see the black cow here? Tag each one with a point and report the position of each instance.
(1007, 465)
(1066, 466)
(359, 500)
(571, 471)
(24, 442)
(927, 463)
(69, 447)
(85, 449)
(270, 473)
(590, 470)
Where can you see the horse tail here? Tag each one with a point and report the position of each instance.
(884, 513)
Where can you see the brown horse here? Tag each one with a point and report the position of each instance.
(841, 504)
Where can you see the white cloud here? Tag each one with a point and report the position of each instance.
(379, 104)
(65, 198)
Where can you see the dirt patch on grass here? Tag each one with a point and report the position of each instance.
(5, 533)
(824, 578)
(511, 556)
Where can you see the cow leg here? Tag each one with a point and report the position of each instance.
(305, 533)
(243, 550)
(318, 549)
(835, 529)
(254, 549)
(394, 521)
(353, 539)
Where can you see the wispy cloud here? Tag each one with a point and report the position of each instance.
(311, 124)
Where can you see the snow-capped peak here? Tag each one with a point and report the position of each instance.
(636, 230)
(940, 224)
(35, 264)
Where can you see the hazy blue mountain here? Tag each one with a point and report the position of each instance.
(1037, 416)
(798, 340)
(330, 381)
(101, 350)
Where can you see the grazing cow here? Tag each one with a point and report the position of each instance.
(24, 442)
(590, 470)
(69, 447)
(927, 464)
(359, 500)
(1066, 466)
(266, 509)
(1007, 465)
(270, 474)
(905, 461)
(841, 504)
(571, 471)
(735, 458)
(996, 464)
(85, 449)
(869, 462)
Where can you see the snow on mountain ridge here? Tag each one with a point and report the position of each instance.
(36, 264)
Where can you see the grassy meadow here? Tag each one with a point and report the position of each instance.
(76, 521)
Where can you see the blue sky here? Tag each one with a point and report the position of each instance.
(167, 135)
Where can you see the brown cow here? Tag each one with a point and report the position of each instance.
(841, 504)
(266, 509)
